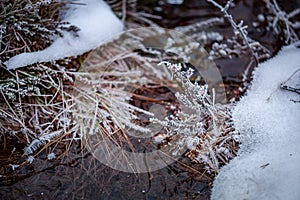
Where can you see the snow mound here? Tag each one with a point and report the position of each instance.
(268, 164)
(97, 24)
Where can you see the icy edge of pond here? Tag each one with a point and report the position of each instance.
(268, 163)
(97, 24)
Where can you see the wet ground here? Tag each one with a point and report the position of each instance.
(79, 176)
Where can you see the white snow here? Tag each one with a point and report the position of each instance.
(268, 164)
(97, 24)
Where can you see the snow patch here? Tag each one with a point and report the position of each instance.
(268, 163)
(97, 24)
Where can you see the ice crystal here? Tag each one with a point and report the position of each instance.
(51, 156)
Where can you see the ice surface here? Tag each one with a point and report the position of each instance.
(97, 24)
(268, 164)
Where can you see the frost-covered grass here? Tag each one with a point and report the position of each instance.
(36, 107)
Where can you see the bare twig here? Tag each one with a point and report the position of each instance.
(238, 28)
(281, 16)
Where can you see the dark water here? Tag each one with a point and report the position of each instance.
(80, 176)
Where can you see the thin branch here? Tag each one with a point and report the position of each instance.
(239, 28)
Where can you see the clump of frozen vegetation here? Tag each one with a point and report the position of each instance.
(29, 25)
(36, 107)
(205, 130)
(101, 95)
